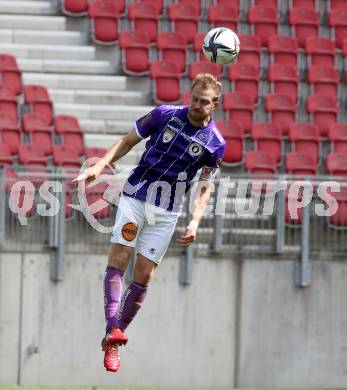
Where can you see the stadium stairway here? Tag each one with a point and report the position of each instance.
(55, 51)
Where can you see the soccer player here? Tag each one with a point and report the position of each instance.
(182, 139)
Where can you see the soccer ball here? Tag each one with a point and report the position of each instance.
(221, 45)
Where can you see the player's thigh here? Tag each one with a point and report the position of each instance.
(129, 222)
(155, 239)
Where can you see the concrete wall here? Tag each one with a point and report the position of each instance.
(240, 323)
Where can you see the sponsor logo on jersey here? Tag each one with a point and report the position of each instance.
(195, 149)
(185, 136)
(177, 120)
(129, 231)
(202, 137)
(168, 135)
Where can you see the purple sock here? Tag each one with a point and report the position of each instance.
(132, 300)
(113, 283)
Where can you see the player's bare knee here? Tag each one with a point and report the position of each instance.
(144, 270)
(119, 256)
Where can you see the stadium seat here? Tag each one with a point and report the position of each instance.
(264, 21)
(195, 3)
(251, 50)
(144, 17)
(8, 104)
(337, 4)
(184, 19)
(324, 80)
(235, 3)
(9, 133)
(5, 155)
(10, 74)
(197, 45)
(338, 20)
(74, 7)
(37, 97)
(281, 109)
(135, 47)
(305, 22)
(222, 15)
(94, 194)
(239, 107)
(268, 138)
(67, 126)
(245, 79)
(336, 164)
(158, 4)
(166, 82)
(284, 79)
(172, 46)
(104, 15)
(29, 154)
(266, 3)
(65, 156)
(283, 50)
(94, 152)
(233, 134)
(323, 111)
(320, 51)
(337, 136)
(339, 219)
(260, 162)
(185, 97)
(204, 67)
(39, 132)
(302, 164)
(303, 4)
(305, 139)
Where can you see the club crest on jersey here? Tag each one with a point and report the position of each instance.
(168, 135)
(195, 149)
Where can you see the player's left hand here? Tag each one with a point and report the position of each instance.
(189, 235)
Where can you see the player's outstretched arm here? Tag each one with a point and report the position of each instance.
(117, 150)
(200, 201)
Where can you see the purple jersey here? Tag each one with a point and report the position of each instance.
(175, 151)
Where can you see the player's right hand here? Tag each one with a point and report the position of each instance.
(89, 175)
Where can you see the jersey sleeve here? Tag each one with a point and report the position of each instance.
(148, 124)
(209, 171)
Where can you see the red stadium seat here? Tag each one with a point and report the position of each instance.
(302, 164)
(67, 126)
(95, 200)
(338, 20)
(29, 154)
(185, 97)
(158, 4)
(339, 219)
(5, 156)
(303, 4)
(144, 17)
(10, 74)
(172, 47)
(104, 15)
(8, 103)
(321, 51)
(40, 133)
(65, 156)
(184, 19)
(305, 22)
(323, 110)
(135, 47)
(305, 139)
(197, 45)
(222, 15)
(236, 4)
(9, 133)
(195, 3)
(166, 80)
(266, 3)
(37, 97)
(95, 152)
(74, 7)
(283, 49)
(338, 138)
(282, 110)
(264, 21)
(268, 138)
(251, 50)
(239, 107)
(336, 164)
(204, 67)
(260, 162)
(245, 79)
(324, 80)
(338, 4)
(284, 79)
(233, 134)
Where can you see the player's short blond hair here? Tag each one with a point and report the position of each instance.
(207, 81)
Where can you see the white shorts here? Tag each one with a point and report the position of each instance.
(144, 226)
